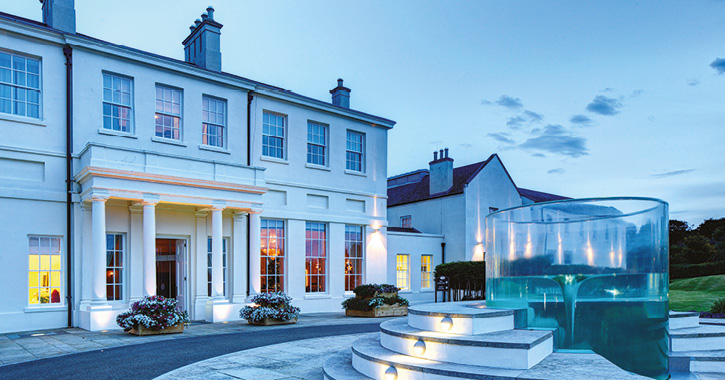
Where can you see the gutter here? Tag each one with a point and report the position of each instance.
(250, 97)
(68, 52)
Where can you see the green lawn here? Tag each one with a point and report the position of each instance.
(697, 293)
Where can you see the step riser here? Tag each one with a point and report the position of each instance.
(697, 344)
(510, 358)
(684, 323)
(377, 371)
(462, 326)
(707, 366)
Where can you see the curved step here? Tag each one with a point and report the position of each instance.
(512, 349)
(684, 319)
(711, 361)
(701, 338)
(339, 367)
(467, 318)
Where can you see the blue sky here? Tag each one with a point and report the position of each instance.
(578, 98)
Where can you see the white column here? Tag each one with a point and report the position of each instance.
(149, 248)
(86, 268)
(295, 277)
(239, 257)
(217, 263)
(135, 253)
(255, 225)
(99, 249)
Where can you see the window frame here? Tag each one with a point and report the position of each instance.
(361, 153)
(361, 257)
(130, 106)
(326, 143)
(308, 244)
(13, 85)
(206, 123)
(62, 289)
(163, 113)
(406, 271)
(283, 139)
(225, 265)
(403, 219)
(264, 223)
(122, 268)
(429, 280)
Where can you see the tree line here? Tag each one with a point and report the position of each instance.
(704, 244)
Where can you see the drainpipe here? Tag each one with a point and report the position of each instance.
(250, 97)
(68, 52)
(443, 253)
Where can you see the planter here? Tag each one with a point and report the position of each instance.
(143, 331)
(272, 321)
(379, 312)
(386, 295)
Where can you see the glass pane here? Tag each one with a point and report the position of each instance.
(33, 279)
(4, 60)
(55, 279)
(45, 262)
(55, 295)
(34, 262)
(33, 296)
(55, 262)
(33, 66)
(19, 63)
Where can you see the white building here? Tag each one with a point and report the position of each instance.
(183, 181)
(437, 215)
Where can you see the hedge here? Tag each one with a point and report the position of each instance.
(468, 276)
(696, 270)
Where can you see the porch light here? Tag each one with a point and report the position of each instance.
(419, 347)
(391, 373)
(446, 323)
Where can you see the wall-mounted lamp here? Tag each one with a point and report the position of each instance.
(446, 323)
(419, 347)
(391, 373)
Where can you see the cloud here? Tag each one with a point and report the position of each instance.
(533, 116)
(467, 146)
(501, 137)
(509, 102)
(581, 120)
(556, 171)
(515, 122)
(636, 93)
(527, 117)
(556, 139)
(604, 106)
(719, 65)
(693, 82)
(672, 173)
(538, 155)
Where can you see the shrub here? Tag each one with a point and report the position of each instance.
(463, 274)
(275, 305)
(369, 290)
(369, 296)
(718, 307)
(696, 270)
(154, 312)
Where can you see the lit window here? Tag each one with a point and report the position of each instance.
(44, 270)
(353, 257)
(354, 151)
(213, 114)
(316, 143)
(273, 133)
(114, 267)
(208, 265)
(402, 272)
(425, 270)
(272, 255)
(406, 221)
(19, 85)
(315, 257)
(116, 103)
(168, 112)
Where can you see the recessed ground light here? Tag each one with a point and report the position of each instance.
(391, 373)
(446, 323)
(419, 347)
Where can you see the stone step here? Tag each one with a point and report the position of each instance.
(711, 361)
(684, 319)
(701, 338)
(511, 349)
(462, 318)
(339, 367)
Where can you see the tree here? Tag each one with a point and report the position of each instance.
(679, 230)
(708, 227)
(698, 249)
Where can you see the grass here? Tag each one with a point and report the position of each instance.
(697, 293)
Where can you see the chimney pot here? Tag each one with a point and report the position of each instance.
(202, 45)
(446, 152)
(204, 16)
(435, 155)
(210, 12)
(192, 27)
(340, 95)
(441, 153)
(197, 22)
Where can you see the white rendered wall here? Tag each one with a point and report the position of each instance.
(414, 245)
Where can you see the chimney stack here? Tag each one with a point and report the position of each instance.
(441, 172)
(340, 95)
(60, 14)
(202, 46)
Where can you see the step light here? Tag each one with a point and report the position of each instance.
(419, 347)
(391, 373)
(446, 323)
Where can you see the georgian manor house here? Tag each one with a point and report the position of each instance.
(124, 174)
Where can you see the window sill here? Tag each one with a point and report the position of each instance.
(214, 149)
(317, 296)
(352, 172)
(165, 140)
(45, 309)
(349, 294)
(427, 290)
(111, 132)
(23, 119)
(318, 167)
(274, 159)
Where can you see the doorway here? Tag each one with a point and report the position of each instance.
(171, 270)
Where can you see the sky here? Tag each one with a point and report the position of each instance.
(578, 98)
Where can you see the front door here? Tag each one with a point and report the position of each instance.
(170, 269)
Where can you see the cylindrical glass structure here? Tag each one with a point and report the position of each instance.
(596, 271)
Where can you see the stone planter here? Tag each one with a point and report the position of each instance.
(396, 310)
(272, 321)
(386, 295)
(143, 331)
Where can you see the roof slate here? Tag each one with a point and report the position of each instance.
(410, 230)
(538, 196)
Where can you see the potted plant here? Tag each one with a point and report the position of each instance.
(373, 300)
(270, 309)
(153, 315)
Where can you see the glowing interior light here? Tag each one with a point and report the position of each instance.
(613, 292)
(419, 347)
(391, 373)
(446, 323)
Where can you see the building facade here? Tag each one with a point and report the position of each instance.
(125, 174)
